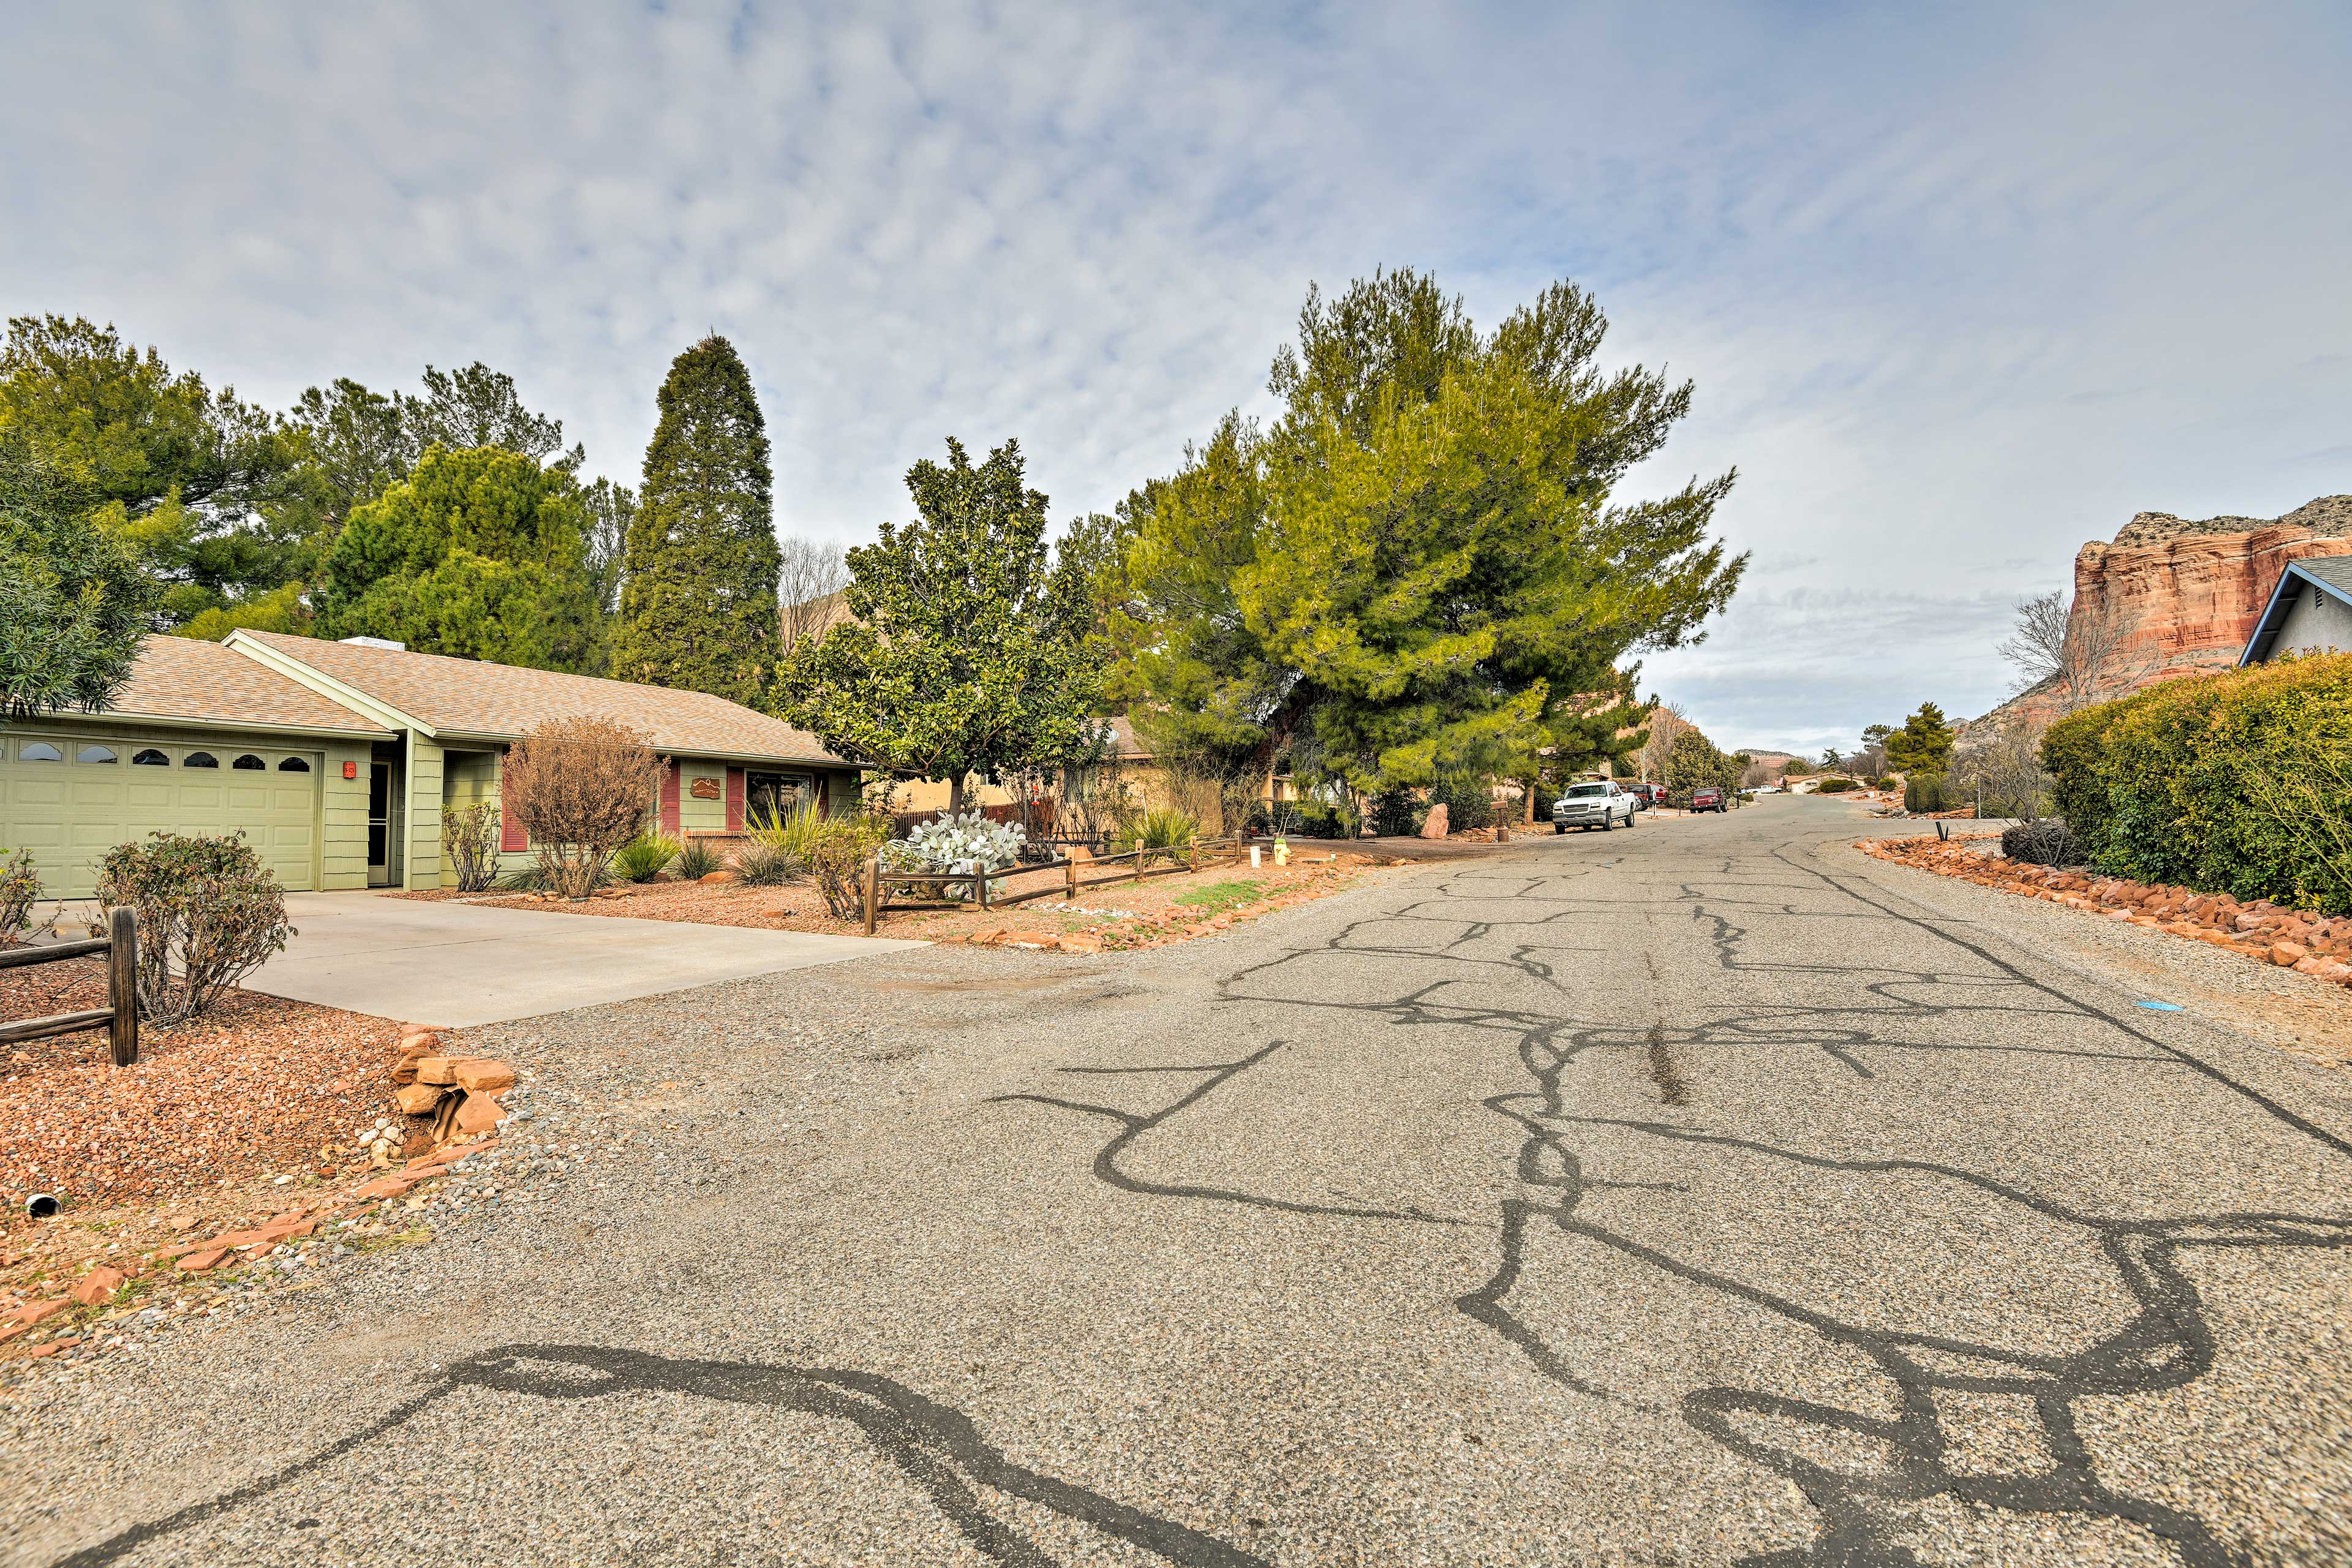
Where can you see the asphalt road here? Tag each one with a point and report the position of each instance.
(1684, 1195)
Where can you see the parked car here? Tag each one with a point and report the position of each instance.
(1603, 805)
(1707, 797)
(1645, 795)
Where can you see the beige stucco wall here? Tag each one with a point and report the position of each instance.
(2318, 622)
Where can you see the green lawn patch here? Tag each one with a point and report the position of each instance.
(1219, 897)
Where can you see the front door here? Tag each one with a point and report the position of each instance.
(379, 824)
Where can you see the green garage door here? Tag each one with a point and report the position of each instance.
(72, 798)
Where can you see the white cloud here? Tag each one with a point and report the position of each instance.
(1960, 289)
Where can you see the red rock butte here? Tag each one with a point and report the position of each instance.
(2187, 593)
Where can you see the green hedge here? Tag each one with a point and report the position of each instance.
(1834, 787)
(2237, 783)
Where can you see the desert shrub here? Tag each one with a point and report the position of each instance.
(2045, 841)
(469, 844)
(1929, 791)
(1469, 803)
(793, 831)
(644, 858)
(765, 865)
(696, 860)
(1395, 814)
(948, 845)
(838, 857)
(1158, 834)
(580, 788)
(1835, 787)
(209, 912)
(20, 889)
(1316, 819)
(2238, 782)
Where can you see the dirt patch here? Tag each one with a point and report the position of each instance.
(254, 1088)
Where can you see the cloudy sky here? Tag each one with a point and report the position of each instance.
(1960, 286)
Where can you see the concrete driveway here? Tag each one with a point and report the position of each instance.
(462, 965)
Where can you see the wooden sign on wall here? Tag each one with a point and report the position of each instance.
(706, 789)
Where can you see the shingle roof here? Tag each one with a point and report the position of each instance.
(2335, 570)
(474, 697)
(1125, 743)
(183, 678)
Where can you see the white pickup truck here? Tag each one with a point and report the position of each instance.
(1603, 805)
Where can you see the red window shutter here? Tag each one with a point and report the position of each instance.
(511, 836)
(669, 799)
(734, 800)
(825, 794)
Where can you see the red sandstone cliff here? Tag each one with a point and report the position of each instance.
(2186, 595)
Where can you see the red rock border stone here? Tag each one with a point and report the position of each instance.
(2309, 943)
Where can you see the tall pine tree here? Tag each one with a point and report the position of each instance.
(698, 600)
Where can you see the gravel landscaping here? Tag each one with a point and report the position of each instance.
(255, 1088)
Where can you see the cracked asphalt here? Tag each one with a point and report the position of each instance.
(1695, 1194)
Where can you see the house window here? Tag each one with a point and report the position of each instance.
(95, 755)
(150, 758)
(293, 766)
(250, 763)
(39, 751)
(200, 760)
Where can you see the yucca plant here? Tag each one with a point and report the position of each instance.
(643, 857)
(1158, 834)
(794, 831)
(763, 864)
(698, 860)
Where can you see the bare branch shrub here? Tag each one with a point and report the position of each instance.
(580, 788)
(2003, 771)
(470, 843)
(209, 912)
(20, 889)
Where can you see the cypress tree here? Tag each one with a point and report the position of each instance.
(699, 595)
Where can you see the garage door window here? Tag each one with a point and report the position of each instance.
(200, 760)
(293, 766)
(95, 755)
(40, 752)
(250, 763)
(150, 758)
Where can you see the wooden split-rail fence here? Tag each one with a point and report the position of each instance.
(881, 880)
(118, 1017)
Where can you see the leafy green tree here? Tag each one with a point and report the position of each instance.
(1418, 569)
(480, 553)
(699, 599)
(966, 652)
(73, 603)
(1696, 761)
(182, 477)
(353, 443)
(1924, 744)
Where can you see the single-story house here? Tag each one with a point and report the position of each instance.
(337, 758)
(2310, 611)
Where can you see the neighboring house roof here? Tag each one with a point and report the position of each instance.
(500, 701)
(2332, 574)
(1124, 744)
(188, 681)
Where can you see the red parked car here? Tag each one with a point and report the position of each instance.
(1707, 797)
